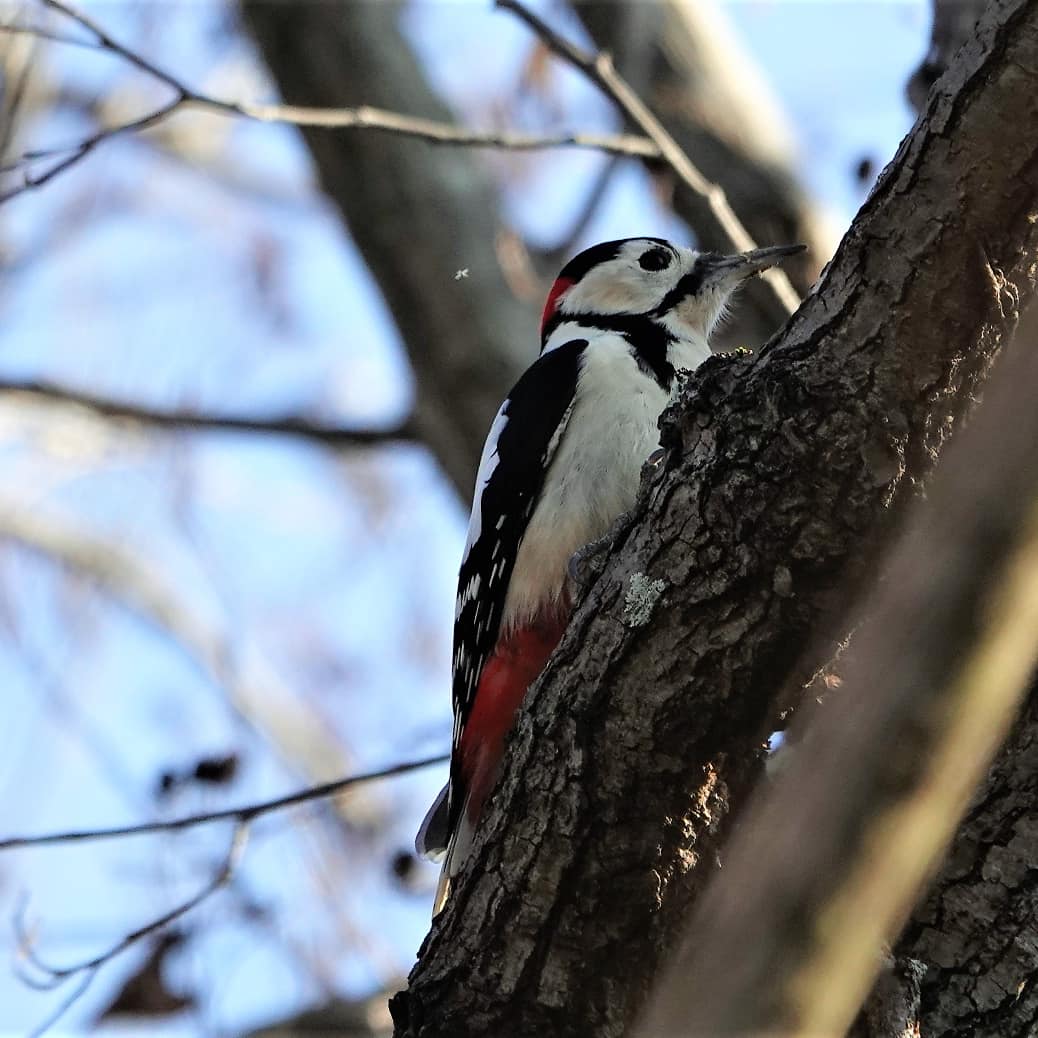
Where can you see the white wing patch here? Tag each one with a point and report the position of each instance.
(487, 464)
(469, 593)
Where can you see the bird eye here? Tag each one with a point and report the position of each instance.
(654, 259)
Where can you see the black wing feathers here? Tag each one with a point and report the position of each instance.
(535, 408)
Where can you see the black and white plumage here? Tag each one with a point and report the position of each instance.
(561, 463)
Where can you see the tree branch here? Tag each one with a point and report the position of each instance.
(198, 421)
(364, 117)
(687, 62)
(970, 942)
(780, 473)
(88, 969)
(246, 813)
(599, 70)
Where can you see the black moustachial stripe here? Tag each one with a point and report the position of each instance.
(689, 284)
(648, 339)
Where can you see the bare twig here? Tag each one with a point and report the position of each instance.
(54, 976)
(64, 1006)
(78, 151)
(598, 68)
(367, 117)
(17, 68)
(362, 117)
(242, 815)
(198, 421)
(57, 974)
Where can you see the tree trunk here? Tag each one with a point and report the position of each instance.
(838, 845)
(642, 736)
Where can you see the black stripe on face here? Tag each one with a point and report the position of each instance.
(689, 284)
(649, 341)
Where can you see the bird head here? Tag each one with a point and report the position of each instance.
(683, 291)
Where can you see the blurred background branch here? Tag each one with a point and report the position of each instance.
(242, 815)
(362, 117)
(198, 421)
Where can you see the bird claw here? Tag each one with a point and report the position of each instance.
(587, 563)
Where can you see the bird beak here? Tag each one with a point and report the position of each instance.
(723, 273)
(745, 264)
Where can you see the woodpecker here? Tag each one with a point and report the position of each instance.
(561, 463)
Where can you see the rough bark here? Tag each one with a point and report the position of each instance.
(711, 97)
(834, 850)
(643, 735)
(418, 213)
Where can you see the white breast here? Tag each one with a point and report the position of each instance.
(594, 476)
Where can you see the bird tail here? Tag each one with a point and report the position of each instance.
(433, 834)
(457, 851)
(435, 842)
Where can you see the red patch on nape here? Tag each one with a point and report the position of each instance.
(560, 286)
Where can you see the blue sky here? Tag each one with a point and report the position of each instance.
(326, 580)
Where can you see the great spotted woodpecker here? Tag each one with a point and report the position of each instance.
(561, 463)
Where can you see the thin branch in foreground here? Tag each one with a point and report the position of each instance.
(242, 815)
(599, 69)
(363, 117)
(55, 976)
(64, 1006)
(328, 435)
(78, 151)
(106, 42)
(42, 33)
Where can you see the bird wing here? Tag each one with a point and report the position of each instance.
(516, 457)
